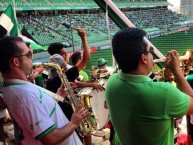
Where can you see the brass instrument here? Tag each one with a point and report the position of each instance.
(88, 124)
(187, 57)
(185, 65)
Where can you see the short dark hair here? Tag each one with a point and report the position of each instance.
(28, 44)
(8, 49)
(128, 44)
(55, 48)
(75, 57)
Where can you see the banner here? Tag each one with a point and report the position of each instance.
(8, 22)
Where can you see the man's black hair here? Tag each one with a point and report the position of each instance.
(55, 48)
(8, 49)
(75, 57)
(28, 44)
(128, 44)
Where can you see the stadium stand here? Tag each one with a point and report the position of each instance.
(156, 17)
(78, 4)
(179, 41)
(49, 25)
(40, 32)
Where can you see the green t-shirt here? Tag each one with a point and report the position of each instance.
(84, 75)
(39, 80)
(142, 111)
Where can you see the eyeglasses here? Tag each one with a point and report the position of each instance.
(151, 50)
(29, 54)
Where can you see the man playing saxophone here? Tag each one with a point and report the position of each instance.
(36, 113)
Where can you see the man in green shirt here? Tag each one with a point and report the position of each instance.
(141, 110)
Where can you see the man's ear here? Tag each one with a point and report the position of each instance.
(15, 62)
(143, 59)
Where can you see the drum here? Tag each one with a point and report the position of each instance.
(97, 102)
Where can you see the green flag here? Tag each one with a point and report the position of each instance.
(8, 21)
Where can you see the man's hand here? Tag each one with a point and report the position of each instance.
(73, 85)
(61, 91)
(98, 87)
(173, 62)
(36, 71)
(39, 69)
(79, 114)
(81, 33)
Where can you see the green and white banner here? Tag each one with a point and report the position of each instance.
(8, 22)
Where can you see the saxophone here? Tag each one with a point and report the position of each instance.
(88, 124)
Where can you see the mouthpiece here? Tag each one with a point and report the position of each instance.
(159, 60)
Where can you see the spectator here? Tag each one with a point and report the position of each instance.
(101, 71)
(76, 58)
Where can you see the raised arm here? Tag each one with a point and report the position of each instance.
(174, 65)
(86, 52)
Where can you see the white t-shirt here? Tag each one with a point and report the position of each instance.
(36, 113)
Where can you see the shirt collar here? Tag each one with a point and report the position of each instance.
(133, 78)
(13, 82)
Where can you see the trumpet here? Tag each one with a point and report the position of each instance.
(159, 60)
(187, 57)
(185, 65)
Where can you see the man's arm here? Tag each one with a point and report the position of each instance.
(174, 65)
(89, 84)
(60, 134)
(86, 52)
(37, 71)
